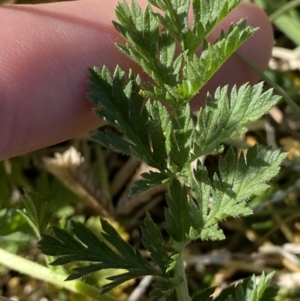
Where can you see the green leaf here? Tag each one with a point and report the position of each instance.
(165, 290)
(37, 212)
(177, 215)
(248, 290)
(198, 70)
(111, 252)
(158, 131)
(263, 292)
(151, 179)
(119, 279)
(206, 294)
(201, 187)
(181, 137)
(153, 241)
(170, 142)
(152, 50)
(167, 48)
(159, 4)
(118, 98)
(225, 117)
(123, 107)
(237, 181)
(110, 139)
(241, 179)
(209, 233)
(270, 294)
(207, 14)
(175, 18)
(141, 30)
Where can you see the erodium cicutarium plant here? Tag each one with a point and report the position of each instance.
(165, 45)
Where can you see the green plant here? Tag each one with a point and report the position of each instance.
(172, 143)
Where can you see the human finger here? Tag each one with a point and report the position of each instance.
(44, 55)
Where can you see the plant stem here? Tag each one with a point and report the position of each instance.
(182, 289)
(37, 271)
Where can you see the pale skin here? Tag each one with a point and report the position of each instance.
(45, 51)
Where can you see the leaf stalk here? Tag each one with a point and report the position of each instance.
(182, 290)
(39, 272)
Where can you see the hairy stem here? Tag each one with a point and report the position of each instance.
(37, 271)
(182, 289)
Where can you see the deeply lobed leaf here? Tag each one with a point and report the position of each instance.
(151, 179)
(224, 117)
(198, 70)
(239, 179)
(165, 290)
(169, 142)
(111, 252)
(154, 50)
(180, 213)
(207, 14)
(123, 107)
(153, 241)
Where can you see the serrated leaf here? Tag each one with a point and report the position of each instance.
(207, 14)
(241, 179)
(198, 70)
(237, 181)
(210, 233)
(140, 29)
(177, 215)
(153, 241)
(159, 4)
(175, 18)
(181, 137)
(111, 252)
(119, 279)
(198, 210)
(109, 139)
(225, 117)
(201, 187)
(167, 49)
(37, 212)
(153, 50)
(265, 293)
(123, 107)
(159, 127)
(150, 179)
(165, 290)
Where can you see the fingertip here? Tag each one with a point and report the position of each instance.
(257, 48)
(43, 70)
